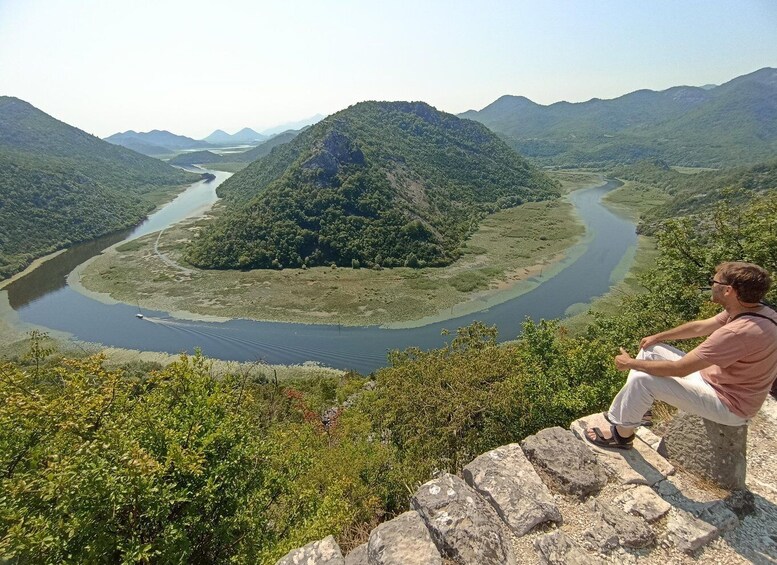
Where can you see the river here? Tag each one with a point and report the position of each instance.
(44, 299)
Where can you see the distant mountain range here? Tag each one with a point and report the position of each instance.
(244, 136)
(713, 126)
(300, 124)
(156, 142)
(61, 185)
(209, 157)
(264, 148)
(380, 183)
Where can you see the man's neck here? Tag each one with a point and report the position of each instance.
(739, 307)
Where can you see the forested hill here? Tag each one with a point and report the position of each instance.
(697, 194)
(62, 185)
(731, 124)
(386, 183)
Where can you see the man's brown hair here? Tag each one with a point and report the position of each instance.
(749, 280)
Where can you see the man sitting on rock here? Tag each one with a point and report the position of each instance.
(725, 379)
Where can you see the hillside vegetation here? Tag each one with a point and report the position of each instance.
(196, 158)
(731, 124)
(61, 185)
(695, 195)
(176, 464)
(380, 183)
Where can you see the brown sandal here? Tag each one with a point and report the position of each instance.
(616, 440)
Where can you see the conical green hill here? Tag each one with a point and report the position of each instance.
(388, 183)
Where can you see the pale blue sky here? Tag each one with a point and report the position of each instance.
(192, 66)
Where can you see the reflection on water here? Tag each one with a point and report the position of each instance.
(52, 275)
(360, 348)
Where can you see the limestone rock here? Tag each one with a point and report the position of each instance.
(641, 465)
(643, 501)
(558, 549)
(715, 451)
(357, 556)
(718, 514)
(600, 536)
(506, 479)
(649, 438)
(564, 462)
(462, 524)
(689, 533)
(632, 532)
(402, 541)
(667, 488)
(322, 552)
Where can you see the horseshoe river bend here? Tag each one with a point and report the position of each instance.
(44, 299)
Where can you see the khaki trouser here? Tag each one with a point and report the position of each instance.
(691, 393)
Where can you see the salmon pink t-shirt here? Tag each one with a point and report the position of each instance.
(743, 353)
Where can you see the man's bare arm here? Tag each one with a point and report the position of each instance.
(697, 328)
(660, 368)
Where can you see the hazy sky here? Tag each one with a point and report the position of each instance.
(192, 66)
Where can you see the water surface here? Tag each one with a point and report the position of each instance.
(43, 298)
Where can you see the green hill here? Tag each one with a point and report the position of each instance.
(61, 185)
(697, 194)
(196, 158)
(388, 183)
(731, 124)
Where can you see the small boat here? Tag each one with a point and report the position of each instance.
(139, 316)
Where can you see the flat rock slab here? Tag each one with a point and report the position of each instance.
(357, 556)
(643, 501)
(641, 465)
(402, 541)
(565, 464)
(506, 479)
(712, 450)
(463, 526)
(559, 549)
(649, 438)
(717, 513)
(632, 531)
(322, 552)
(687, 532)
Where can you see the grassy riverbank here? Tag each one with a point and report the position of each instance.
(510, 246)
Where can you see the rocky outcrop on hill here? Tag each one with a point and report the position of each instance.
(557, 499)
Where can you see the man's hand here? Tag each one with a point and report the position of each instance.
(649, 340)
(623, 360)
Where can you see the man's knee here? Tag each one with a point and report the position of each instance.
(660, 351)
(640, 379)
